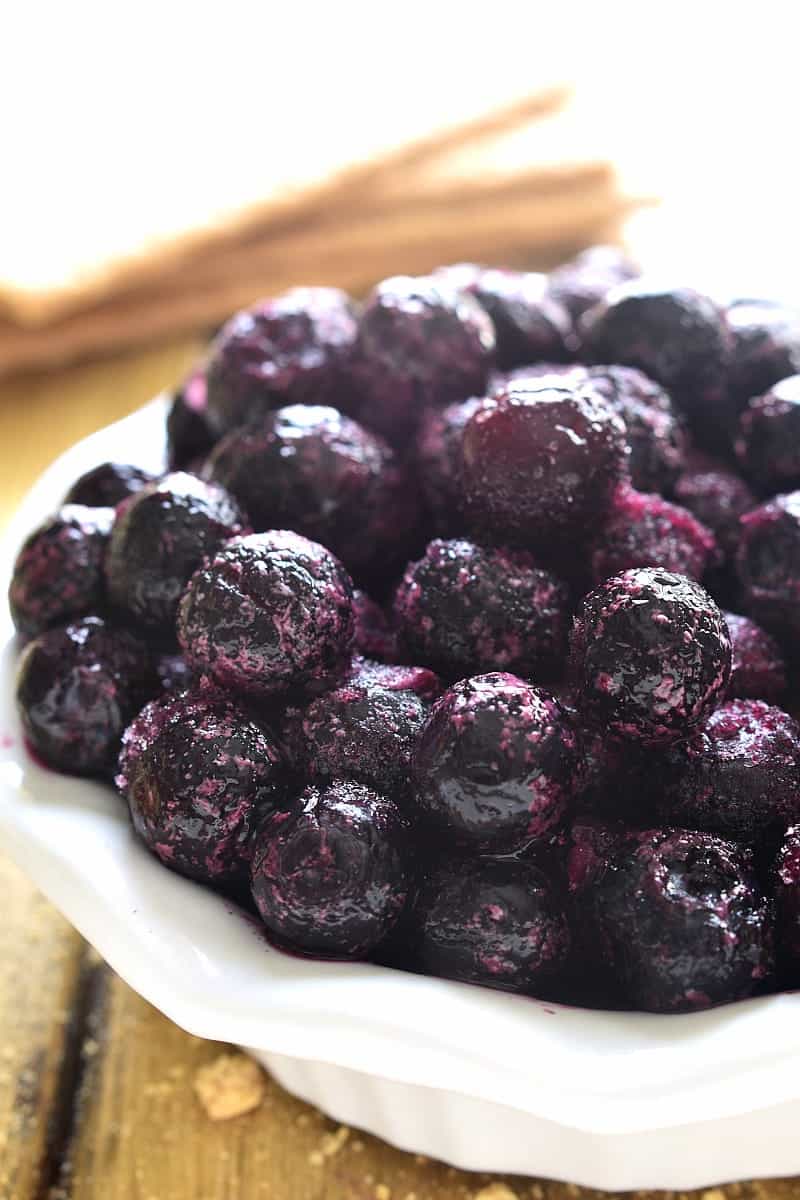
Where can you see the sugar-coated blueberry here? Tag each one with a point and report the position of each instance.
(199, 776)
(464, 608)
(497, 922)
(677, 336)
(678, 920)
(655, 431)
(422, 343)
(311, 469)
(588, 278)
(268, 613)
(646, 530)
(395, 677)
(77, 689)
(650, 656)
(330, 877)
(495, 764)
(295, 349)
(189, 434)
(106, 485)
(160, 536)
(758, 668)
(541, 461)
(58, 572)
(361, 731)
(768, 439)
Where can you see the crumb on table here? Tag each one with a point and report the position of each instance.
(229, 1086)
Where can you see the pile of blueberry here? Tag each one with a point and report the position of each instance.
(428, 644)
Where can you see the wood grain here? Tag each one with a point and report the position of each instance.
(96, 1096)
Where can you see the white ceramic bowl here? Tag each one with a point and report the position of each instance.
(483, 1080)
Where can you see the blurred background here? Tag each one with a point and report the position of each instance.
(163, 165)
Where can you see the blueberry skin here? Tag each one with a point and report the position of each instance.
(294, 349)
(758, 669)
(786, 879)
(314, 470)
(77, 689)
(495, 764)
(160, 536)
(655, 431)
(199, 776)
(738, 775)
(650, 656)
(189, 434)
(422, 343)
(330, 877)
(678, 919)
(364, 732)
(269, 613)
(767, 440)
(646, 530)
(541, 461)
(768, 565)
(463, 609)
(58, 573)
(107, 485)
(718, 497)
(395, 677)
(766, 347)
(678, 337)
(437, 455)
(497, 922)
(588, 278)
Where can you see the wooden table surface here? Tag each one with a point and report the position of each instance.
(96, 1095)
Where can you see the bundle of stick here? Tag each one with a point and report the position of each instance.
(523, 184)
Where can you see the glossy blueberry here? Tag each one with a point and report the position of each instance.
(655, 431)
(189, 434)
(677, 918)
(738, 775)
(199, 776)
(758, 668)
(77, 688)
(268, 613)
(364, 732)
(422, 343)
(588, 278)
(495, 764)
(496, 922)
(645, 530)
(294, 349)
(311, 469)
(464, 608)
(107, 485)
(58, 572)
(768, 439)
(541, 462)
(330, 877)
(438, 461)
(160, 536)
(650, 656)
(678, 337)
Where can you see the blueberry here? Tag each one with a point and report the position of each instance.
(787, 901)
(295, 349)
(160, 536)
(655, 431)
(311, 469)
(330, 877)
(768, 564)
(189, 434)
(678, 919)
(463, 609)
(77, 689)
(496, 922)
(646, 530)
(758, 669)
(495, 764)
(540, 462)
(650, 656)
(422, 343)
(678, 337)
(737, 775)
(718, 497)
(588, 278)
(58, 572)
(199, 776)
(395, 677)
(766, 347)
(437, 454)
(268, 613)
(374, 636)
(107, 485)
(767, 440)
